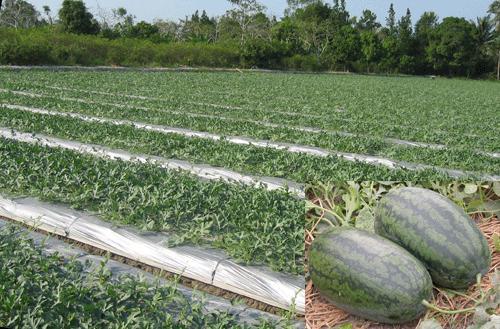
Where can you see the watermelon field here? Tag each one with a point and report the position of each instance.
(299, 127)
(202, 177)
(345, 221)
(183, 203)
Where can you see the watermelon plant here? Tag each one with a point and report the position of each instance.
(437, 232)
(242, 158)
(252, 224)
(45, 291)
(234, 125)
(402, 113)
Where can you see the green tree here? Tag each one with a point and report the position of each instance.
(371, 48)
(485, 31)
(199, 28)
(452, 49)
(368, 21)
(391, 19)
(116, 23)
(390, 58)
(346, 46)
(339, 16)
(287, 31)
(405, 32)
(494, 9)
(485, 34)
(406, 44)
(245, 13)
(424, 28)
(293, 5)
(315, 28)
(19, 14)
(168, 30)
(123, 23)
(48, 14)
(143, 30)
(228, 29)
(75, 18)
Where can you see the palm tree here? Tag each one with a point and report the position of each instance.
(485, 30)
(495, 10)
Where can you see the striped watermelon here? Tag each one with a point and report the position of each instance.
(436, 231)
(369, 276)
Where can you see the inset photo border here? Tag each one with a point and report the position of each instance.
(374, 248)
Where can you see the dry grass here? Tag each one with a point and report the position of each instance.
(321, 314)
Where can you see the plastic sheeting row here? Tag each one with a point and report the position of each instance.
(241, 313)
(202, 171)
(394, 141)
(302, 114)
(293, 148)
(209, 266)
(138, 107)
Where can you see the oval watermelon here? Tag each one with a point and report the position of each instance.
(369, 276)
(436, 231)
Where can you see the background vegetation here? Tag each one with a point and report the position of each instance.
(312, 35)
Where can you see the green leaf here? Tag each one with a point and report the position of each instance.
(430, 324)
(365, 220)
(496, 188)
(470, 188)
(496, 241)
(346, 326)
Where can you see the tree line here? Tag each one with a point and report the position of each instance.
(312, 35)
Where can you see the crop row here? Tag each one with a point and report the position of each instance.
(317, 93)
(248, 159)
(448, 158)
(253, 225)
(44, 291)
(459, 133)
(435, 104)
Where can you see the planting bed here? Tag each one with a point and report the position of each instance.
(245, 221)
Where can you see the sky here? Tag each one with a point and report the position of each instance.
(148, 10)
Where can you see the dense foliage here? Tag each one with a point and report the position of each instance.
(253, 225)
(76, 19)
(41, 291)
(46, 46)
(312, 35)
